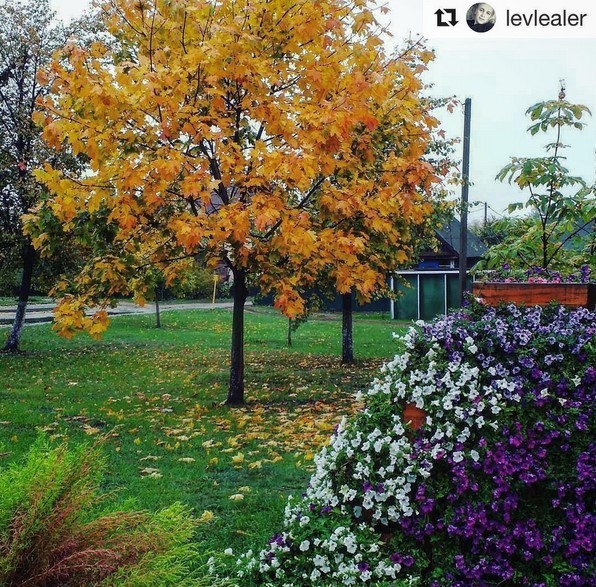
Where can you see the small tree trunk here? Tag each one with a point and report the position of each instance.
(347, 338)
(157, 314)
(14, 337)
(289, 332)
(240, 293)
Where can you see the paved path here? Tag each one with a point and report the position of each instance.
(39, 313)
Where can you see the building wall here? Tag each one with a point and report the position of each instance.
(430, 294)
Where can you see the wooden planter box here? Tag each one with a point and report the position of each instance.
(572, 295)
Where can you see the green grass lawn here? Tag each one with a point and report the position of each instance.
(158, 396)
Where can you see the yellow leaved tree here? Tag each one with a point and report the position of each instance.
(276, 136)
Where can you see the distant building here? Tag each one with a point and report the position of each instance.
(433, 285)
(433, 281)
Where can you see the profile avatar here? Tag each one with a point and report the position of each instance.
(481, 17)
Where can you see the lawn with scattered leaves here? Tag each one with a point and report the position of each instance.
(157, 394)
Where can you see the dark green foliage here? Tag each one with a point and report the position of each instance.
(497, 230)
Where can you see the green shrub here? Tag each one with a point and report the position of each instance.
(56, 530)
(196, 282)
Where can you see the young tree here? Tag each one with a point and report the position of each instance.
(414, 235)
(28, 38)
(244, 130)
(562, 206)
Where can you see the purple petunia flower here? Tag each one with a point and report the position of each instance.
(396, 558)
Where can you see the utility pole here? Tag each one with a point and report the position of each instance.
(463, 249)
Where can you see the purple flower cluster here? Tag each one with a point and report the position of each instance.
(523, 512)
(536, 275)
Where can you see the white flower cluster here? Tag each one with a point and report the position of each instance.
(451, 393)
(369, 473)
(336, 560)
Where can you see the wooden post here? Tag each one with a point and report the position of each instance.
(215, 280)
(463, 249)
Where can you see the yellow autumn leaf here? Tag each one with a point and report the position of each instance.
(238, 458)
(206, 517)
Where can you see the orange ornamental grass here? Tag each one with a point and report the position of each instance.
(275, 136)
(57, 531)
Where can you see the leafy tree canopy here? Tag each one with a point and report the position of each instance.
(247, 131)
(276, 136)
(559, 230)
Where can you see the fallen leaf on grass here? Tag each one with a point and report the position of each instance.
(237, 497)
(238, 459)
(210, 444)
(149, 473)
(206, 517)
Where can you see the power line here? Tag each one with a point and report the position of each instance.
(497, 213)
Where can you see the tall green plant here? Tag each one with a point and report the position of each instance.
(561, 206)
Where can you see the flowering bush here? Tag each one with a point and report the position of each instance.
(535, 275)
(495, 488)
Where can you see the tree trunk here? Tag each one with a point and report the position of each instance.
(236, 391)
(157, 313)
(14, 337)
(289, 332)
(347, 339)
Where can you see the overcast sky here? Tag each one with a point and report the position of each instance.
(503, 77)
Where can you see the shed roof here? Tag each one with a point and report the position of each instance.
(450, 236)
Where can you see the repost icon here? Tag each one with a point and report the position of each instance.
(446, 17)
